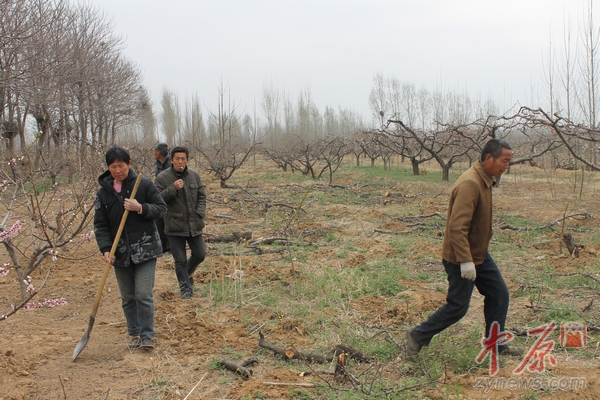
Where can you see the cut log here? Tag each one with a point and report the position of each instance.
(352, 353)
(291, 353)
(294, 354)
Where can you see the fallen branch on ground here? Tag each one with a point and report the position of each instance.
(577, 216)
(413, 217)
(225, 216)
(240, 369)
(294, 354)
(392, 233)
(261, 251)
(234, 237)
(300, 384)
(269, 240)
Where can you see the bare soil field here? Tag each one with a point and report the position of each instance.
(341, 229)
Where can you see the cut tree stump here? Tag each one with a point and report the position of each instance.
(341, 374)
(569, 241)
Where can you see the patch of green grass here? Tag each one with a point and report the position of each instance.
(256, 396)
(350, 247)
(451, 349)
(402, 243)
(296, 256)
(232, 353)
(160, 382)
(382, 349)
(531, 395)
(377, 176)
(301, 311)
(343, 254)
(216, 364)
(423, 276)
(383, 278)
(270, 300)
(300, 394)
(559, 315)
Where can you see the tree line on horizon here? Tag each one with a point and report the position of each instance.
(65, 83)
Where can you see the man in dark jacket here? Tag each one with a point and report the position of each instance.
(465, 253)
(163, 162)
(183, 191)
(162, 157)
(139, 245)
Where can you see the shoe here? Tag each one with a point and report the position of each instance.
(147, 344)
(185, 296)
(512, 351)
(412, 346)
(135, 343)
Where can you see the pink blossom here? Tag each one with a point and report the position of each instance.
(45, 304)
(14, 229)
(87, 236)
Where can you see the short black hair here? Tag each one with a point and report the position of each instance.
(180, 149)
(494, 147)
(162, 148)
(117, 153)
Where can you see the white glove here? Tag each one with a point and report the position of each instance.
(467, 270)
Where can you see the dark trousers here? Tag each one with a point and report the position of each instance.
(489, 283)
(160, 225)
(135, 284)
(184, 267)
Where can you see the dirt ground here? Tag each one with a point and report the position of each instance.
(36, 346)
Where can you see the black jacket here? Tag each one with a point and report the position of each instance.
(161, 166)
(187, 206)
(140, 240)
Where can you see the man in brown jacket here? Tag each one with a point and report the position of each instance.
(465, 252)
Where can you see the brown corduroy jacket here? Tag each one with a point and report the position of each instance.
(469, 224)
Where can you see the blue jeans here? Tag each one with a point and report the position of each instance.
(489, 283)
(135, 284)
(184, 268)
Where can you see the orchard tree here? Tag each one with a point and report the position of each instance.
(225, 149)
(42, 217)
(62, 71)
(332, 150)
(445, 146)
(405, 145)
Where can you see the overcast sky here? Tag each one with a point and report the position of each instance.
(335, 47)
